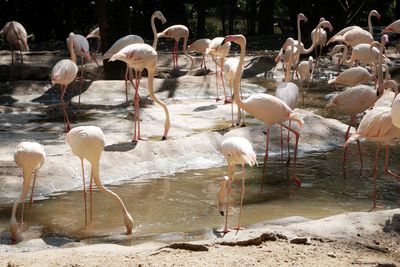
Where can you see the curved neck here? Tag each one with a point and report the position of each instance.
(370, 24)
(289, 63)
(153, 27)
(71, 49)
(238, 74)
(298, 31)
(380, 58)
(96, 176)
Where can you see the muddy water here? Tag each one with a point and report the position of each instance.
(184, 206)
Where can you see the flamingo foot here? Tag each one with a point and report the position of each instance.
(217, 99)
(297, 181)
(237, 228)
(163, 138)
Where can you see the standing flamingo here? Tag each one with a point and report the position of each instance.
(30, 156)
(133, 39)
(200, 45)
(237, 151)
(63, 73)
(17, 37)
(138, 57)
(87, 142)
(95, 34)
(377, 126)
(362, 35)
(78, 46)
(177, 32)
(319, 38)
(266, 108)
(305, 71)
(218, 49)
(230, 68)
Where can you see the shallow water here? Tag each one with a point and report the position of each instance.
(184, 206)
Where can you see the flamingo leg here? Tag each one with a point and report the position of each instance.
(297, 134)
(137, 98)
(387, 171)
(126, 82)
(80, 87)
(216, 80)
(241, 200)
(22, 212)
(12, 65)
(33, 187)
(288, 145)
(84, 191)
(281, 144)
(222, 81)
(375, 171)
(231, 170)
(67, 125)
(265, 159)
(346, 136)
(91, 199)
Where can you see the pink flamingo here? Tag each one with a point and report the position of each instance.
(230, 68)
(63, 73)
(393, 27)
(17, 37)
(200, 46)
(304, 72)
(357, 35)
(87, 142)
(319, 38)
(138, 57)
(95, 34)
(30, 156)
(134, 39)
(78, 46)
(266, 108)
(377, 126)
(177, 32)
(237, 151)
(217, 49)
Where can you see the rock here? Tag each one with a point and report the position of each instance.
(300, 241)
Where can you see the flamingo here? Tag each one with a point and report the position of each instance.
(78, 46)
(87, 142)
(138, 57)
(361, 54)
(134, 39)
(305, 70)
(377, 126)
(319, 38)
(63, 73)
(288, 92)
(230, 68)
(362, 37)
(17, 37)
(393, 27)
(95, 34)
(266, 108)
(217, 49)
(200, 45)
(30, 156)
(177, 32)
(237, 151)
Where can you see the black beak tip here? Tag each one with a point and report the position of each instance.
(221, 212)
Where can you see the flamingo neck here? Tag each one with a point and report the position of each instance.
(71, 50)
(153, 27)
(238, 74)
(380, 58)
(370, 24)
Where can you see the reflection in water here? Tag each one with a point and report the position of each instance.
(186, 204)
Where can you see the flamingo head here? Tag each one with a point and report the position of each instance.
(385, 39)
(326, 24)
(289, 42)
(222, 195)
(321, 19)
(375, 14)
(236, 38)
(160, 16)
(301, 16)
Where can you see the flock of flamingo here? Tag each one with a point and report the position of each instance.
(366, 63)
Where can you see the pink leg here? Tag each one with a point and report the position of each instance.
(91, 198)
(126, 82)
(33, 187)
(375, 171)
(281, 144)
(84, 192)
(241, 200)
(346, 136)
(216, 81)
(265, 159)
(136, 136)
(80, 87)
(222, 81)
(295, 178)
(67, 125)
(231, 171)
(387, 171)
(288, 145)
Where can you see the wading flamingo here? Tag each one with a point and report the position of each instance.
(217, 49)
(319, 38)
(200, 45)
(305, 71)
(63, 73)
(377, 126)
(30, 156)
(264, 107)
(138, 57)
(78, 45)
(87, 142)
(230, 68)
(177, 32)
(237, 151)
(17, 37)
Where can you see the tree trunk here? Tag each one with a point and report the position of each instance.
(266, 17)
(222, 16)
(231, 14)
(251, 26)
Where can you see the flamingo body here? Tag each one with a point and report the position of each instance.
(353, 76)
(121, 43)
